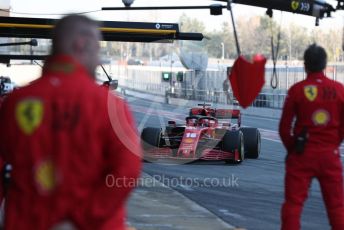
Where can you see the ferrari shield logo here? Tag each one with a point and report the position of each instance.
(29, 114)
(311, 92)
(294, 5)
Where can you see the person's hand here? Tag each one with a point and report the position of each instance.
(65, 225)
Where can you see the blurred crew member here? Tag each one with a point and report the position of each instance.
(225, 86)
(72, 145)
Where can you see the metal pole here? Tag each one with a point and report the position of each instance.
(234, 28)
(287, 85)
(32, 42)
(162, 8)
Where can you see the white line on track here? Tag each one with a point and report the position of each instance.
(232, 214)
(269, 139)
(185, 187)
(268, 130)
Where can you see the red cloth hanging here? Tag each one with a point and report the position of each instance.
(247, 79)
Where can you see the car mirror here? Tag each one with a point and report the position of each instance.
(112, 84)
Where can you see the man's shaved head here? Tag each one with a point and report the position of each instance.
(78, 36)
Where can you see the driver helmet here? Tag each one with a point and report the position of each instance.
(192, 121)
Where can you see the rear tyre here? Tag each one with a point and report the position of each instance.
(232, 141)
(252, 142)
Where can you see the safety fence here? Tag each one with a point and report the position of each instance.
(208, 86)
(268, 100)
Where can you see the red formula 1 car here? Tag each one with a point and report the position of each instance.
(208, 134)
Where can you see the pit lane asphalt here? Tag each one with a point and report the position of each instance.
(248, 195)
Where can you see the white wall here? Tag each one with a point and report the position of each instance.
(21, 74)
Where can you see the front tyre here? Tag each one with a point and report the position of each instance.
(234, 141)
(151, 137)
(252, 142)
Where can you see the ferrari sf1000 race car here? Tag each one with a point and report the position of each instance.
(208, 134)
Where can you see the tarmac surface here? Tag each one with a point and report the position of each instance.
(155, 206)
(246, 196)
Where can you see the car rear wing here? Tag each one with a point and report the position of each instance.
(196, 111)
(227, 114)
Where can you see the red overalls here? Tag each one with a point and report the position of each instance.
(74, 150)
(317, 103)
(2, 164)
(1, 181)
